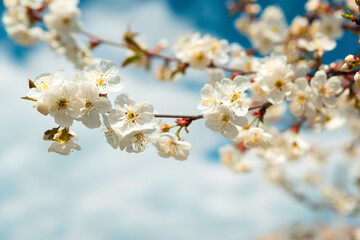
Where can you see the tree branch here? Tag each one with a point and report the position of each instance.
(196, 117)
(163, 56)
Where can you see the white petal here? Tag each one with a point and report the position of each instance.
(115, 84)
(123, 99)
(102, 105)
(63, 120)
(91, 120)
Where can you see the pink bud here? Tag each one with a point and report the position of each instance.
(183, 122)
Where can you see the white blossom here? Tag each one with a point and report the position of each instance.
(224, 120)
(169, 145)
(234, 159)
(255, 137)
(63, 16)
(44, 82)
(302, 98)
(63, 143)
(103, 76)
(63, 103)
(93, 105)
(129, 115)
(320, 43)
(210, 99)
(274, 78)
(138, 140)
(325, 89)
(199, 51)
(233, 94)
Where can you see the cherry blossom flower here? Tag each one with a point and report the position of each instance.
(233, 94)
(63, 142)
(129, 115)
(199, 51)
(302, 98)
(103, 76)
(169, 145)
(234, 159)
(210, 99)
(63, 16)
(325, 89)
(274, 78)
(93, 105)
(139, 139)
(320, 43)
(255, 137)
(224, 120)
(44, 82)
(63, 103)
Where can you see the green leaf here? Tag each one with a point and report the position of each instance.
(131, 60)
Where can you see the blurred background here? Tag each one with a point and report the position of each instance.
(100, 193)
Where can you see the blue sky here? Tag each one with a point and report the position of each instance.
(100, 193)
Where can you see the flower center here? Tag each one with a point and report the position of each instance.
(62, 104)
(301, 98)
(200, 56)
(44, 84)
(279, 84)
(322, 90)
(88, 104)
(66, 21)
(131, 116)
(225, 118)
(101, 81)
(235, 96)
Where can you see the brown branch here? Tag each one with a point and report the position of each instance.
(290, 188)
(163, 56)
(192, 117)
(196, 117)
(102, 40)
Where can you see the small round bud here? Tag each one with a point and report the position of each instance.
(234, 75)
(346, 68)
(252, 9)
(165, 128)
(357, 77)
(351, 59)
(184, 122)
(94, 43)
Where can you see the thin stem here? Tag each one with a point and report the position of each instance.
(163, 56)
(196, 117)
(192, 117)
(102, 40)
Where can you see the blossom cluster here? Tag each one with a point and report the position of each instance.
(130, 125)
(61, 23)
(277, 90)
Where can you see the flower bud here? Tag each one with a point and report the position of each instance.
(357, 77)
(351, 59)
(184, 122)
(93, 42)
(347, 68)
(165, 128)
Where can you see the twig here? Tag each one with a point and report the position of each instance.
(196, 117)
(163, 56)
